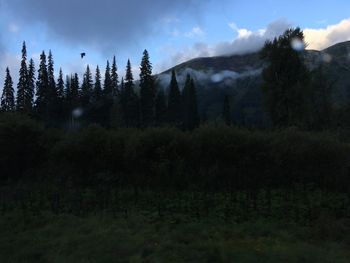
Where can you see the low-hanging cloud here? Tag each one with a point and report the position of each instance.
(107, 24)
(246, 42)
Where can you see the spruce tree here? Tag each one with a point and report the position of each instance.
(60, 88)
(174, 102)
(7, 98)
(97, 111)
(114, 78)
(72, 94)
(22, 85)
(75, 92)
(286, 81)
(87, 88)
(226, 111)
(30, 90)
(107, 87)
(130, 104)
(147, 92)
(42, 90)
(51, 77)
(53, 101)
(67, 98)
(60, 85)
(97, 93)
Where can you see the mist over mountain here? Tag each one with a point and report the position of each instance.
(239, 76)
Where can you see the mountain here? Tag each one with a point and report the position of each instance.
(239, 76)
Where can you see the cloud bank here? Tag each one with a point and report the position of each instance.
(322, 38)
(246, 42)
(107, 23)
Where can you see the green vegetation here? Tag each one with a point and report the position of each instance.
(140, 238)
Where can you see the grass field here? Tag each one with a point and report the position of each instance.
(142, 237)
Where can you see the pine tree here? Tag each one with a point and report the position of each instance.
(60, 85)
(60, 88)
(75, 92)
(42, 90)
(286, 81)
(30, 91)
(67, 98)
(87, 88)
(67, 87)
(190, 110)
(22, 85)
(51, 77)
(226, 111)
(97, 93)
(107, 87)
(72, 93)
(147, 92)
(174, 102)
(53, 100)
(160, 107)
(7, 98)
(114, 78)
(130, 104)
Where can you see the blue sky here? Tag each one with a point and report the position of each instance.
(171, 31)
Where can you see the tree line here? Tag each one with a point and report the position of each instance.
(292, 94)
(70, 103)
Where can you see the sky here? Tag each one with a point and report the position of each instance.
(171, 31)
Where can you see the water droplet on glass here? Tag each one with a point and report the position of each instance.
(297, 44)
(76, 113)
(326, 58)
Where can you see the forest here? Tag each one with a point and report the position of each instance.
(122, 161)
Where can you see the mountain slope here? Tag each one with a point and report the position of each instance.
(240, 77)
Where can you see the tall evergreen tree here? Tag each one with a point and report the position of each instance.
(42, 90)
(190, 109)
(75, 91)
(60, 88)
(22, 85)
(286, 80)
(67, 87)
(72, 94)
(53, 100)
(174, 102)
(60, 85)
(114, 78)
(160, 107)
(147, 92)
(226, 111)
(30, 90)
(107, 87)
(87, 88)
(51, 76)
(97, 93)
(129, 100)
(8, 98)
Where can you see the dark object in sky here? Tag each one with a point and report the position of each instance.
(82, 55)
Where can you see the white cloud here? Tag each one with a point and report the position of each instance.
(195, 32)
(244, 33)
(246, 41)
(324, 37)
